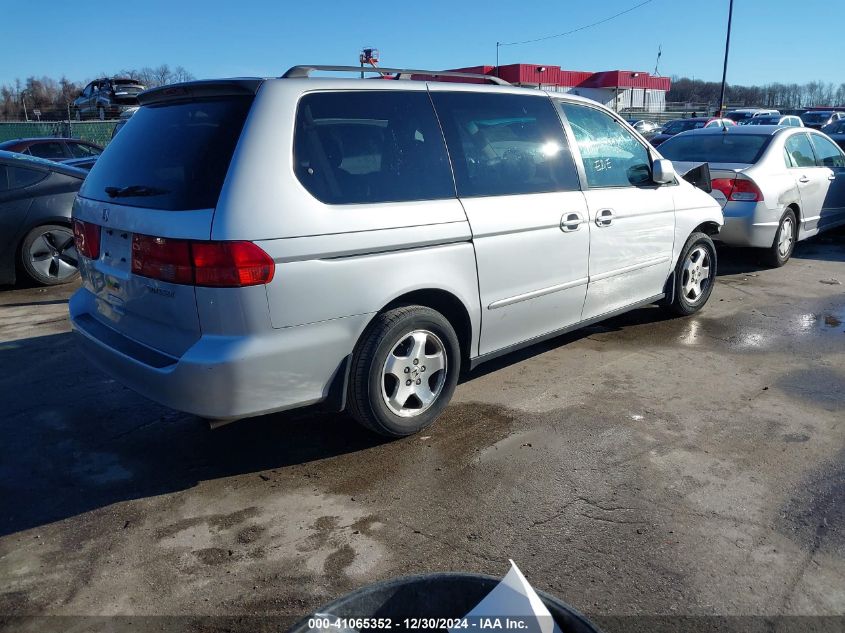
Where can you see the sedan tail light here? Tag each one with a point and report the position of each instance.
(86, 236)
(201, 263)
(738, 189)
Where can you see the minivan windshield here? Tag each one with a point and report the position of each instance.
(715, 148)
(172, 156)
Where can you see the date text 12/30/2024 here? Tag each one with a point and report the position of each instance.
(327, 623)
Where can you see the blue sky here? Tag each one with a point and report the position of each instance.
(776, 40)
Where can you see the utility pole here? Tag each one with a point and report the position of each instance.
(725, 68)
(497, 58)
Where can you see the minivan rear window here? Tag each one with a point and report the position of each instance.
(371, 146)
(172, 156)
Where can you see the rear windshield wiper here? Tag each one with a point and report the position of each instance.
(132, 191)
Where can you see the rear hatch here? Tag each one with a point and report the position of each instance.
(153, 190)
(125, 92)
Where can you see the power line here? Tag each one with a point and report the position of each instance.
(580, 28)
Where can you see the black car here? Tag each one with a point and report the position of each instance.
(106, 98)
(817, 119)
(53, 148)
(36, 237)
(836, 131)
(684, 125)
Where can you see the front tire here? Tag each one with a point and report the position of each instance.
(695, 275)
(781, 249)
(48, 255)
(404, 371)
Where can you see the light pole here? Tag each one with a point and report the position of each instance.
(725, 68)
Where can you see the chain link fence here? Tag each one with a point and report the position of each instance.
(99, 132)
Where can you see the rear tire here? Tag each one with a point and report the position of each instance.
(784, 243)
(695, 275)
(404, 371)
(48, 255)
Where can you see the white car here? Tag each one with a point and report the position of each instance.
(777, 185)
(254, 245)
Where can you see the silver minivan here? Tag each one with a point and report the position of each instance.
(254, 245)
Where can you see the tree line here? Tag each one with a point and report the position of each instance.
(775, 95)
(51, 97)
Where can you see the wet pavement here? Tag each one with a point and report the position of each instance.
(647, 465)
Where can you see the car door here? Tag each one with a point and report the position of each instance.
(519, 187)
(632, 220)
(831, 159)
(15, 200)
(811, 180)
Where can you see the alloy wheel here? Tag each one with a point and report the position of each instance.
(786, 237)
(53, 254)
(414, 373)
(696, 274)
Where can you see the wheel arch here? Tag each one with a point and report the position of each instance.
(447, 304)
(796, 209)
(709, 227)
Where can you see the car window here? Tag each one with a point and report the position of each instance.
(53, 150)
(370, 146)
(80, 150)
(612, 156)
(503, 144)
(827, 154)
(716, 148)
(175, 155)
(19, 177)
(800, 151)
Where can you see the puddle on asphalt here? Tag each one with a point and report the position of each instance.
(764, 329)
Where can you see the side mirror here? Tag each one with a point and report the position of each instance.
(663, 172)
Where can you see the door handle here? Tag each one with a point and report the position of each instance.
(604, 217)
(803, 179)
(570, 222)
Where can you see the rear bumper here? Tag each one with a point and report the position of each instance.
(749, 224)
(225, 378)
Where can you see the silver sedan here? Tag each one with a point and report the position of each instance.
(777, 185)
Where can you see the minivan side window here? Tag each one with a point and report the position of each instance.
(828, 154)
(503, 144)
(612, 156)
(370, 146)
(800, 151)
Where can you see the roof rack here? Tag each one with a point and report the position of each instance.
(400, 73)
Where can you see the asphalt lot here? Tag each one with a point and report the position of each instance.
(646, 465)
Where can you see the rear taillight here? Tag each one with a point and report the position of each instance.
(217, 264)
(738, 189)
(162, 258)
(227, 264)
(746, 191)
(87, 239)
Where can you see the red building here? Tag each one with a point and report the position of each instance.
(617, 89)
